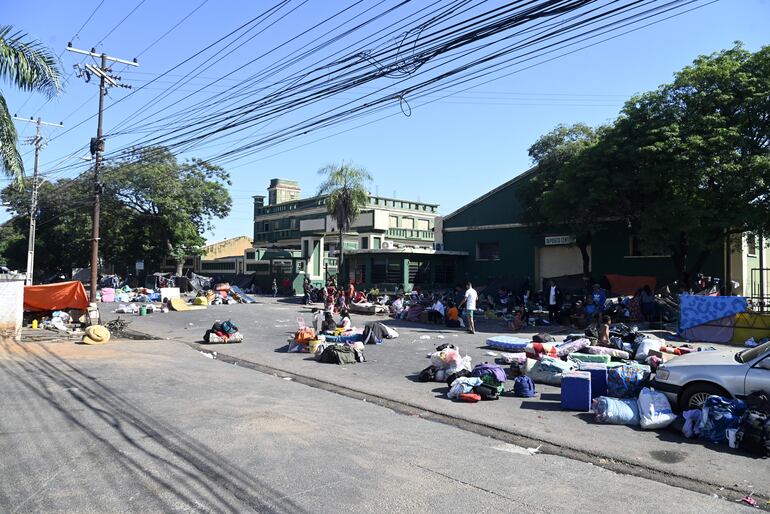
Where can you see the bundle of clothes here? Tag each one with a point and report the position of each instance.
(223, 332)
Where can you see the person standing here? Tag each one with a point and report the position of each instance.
(275, 288)
(306, 289)
(648, 303)
(469, 301)
(554, 302)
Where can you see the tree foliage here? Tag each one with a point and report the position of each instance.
(346, 189)
(153, 208)
(29, 66)
(686, 164)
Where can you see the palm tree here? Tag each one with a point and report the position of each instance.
(30, 66)
(345, 186)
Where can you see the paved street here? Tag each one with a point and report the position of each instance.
(388, 376)
(150, 426)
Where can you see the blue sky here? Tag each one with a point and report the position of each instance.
(447, 152)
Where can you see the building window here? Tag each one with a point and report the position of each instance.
(444, 272)
(637, 248)
(393, 221)
(364, 243)
(360, 277)
(300, 266)
(394, 275)
(376, 243)
(407, 223)
(419, 272)
(423, 225)
(487, 251)
(266, 227)
(218, 266)
(250, 256)
(260, 268)
(281, 267)
(378, 271)
(751, 244)
(305, 249)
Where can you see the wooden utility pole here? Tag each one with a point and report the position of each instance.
(38, 142)
(97, 146)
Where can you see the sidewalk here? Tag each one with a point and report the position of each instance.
(391, 368)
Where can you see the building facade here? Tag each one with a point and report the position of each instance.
(290, 222)
(502, 249)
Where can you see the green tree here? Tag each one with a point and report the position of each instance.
(153, 208)
(30, 66)
(346, 189)
(558, 196)
(696, 155)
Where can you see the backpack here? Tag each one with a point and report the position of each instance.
(304, 335)
(229, 328)
(523, 387)
(754, 433)
(487, 392)
(428, 374)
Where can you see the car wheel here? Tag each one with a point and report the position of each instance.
(694, 396)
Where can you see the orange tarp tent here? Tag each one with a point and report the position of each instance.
(627, 285)
(54, 297)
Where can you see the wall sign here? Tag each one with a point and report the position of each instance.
(559, 240)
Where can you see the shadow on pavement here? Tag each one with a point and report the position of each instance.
(185, 470)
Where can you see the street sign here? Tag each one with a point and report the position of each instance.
(140, 264)
(559, 240)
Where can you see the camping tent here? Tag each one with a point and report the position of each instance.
(54, 297)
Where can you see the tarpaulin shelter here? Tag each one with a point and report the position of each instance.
(55, 297)
(750, 324)
(628, 285)
(710, 318)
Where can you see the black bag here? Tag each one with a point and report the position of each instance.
(487, 392)
(428, 374)
(753, 435)
(758, 401)
(454, 376)
(445, 346)
(543, 338)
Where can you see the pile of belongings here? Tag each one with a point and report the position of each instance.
(133, 308)
(484, 383)
(651, 410)
(375, 332)
(223, 294)
(127, 295)
(446, 365)
(340, 353)
(300, 342)
(223, 333)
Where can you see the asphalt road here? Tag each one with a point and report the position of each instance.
(389, 374)
(159, 427)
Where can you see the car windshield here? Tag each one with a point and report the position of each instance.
(750, 354)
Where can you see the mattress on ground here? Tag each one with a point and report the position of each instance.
(508, 343)
(587, 357)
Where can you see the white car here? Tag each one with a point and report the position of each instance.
(689, 379)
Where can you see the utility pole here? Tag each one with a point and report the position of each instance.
(38, 142)
(97, 144)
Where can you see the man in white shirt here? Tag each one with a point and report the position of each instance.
(554, 301)
(470, 305)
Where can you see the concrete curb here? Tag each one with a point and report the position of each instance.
(504, 434)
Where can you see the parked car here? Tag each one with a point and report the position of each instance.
(690, 379)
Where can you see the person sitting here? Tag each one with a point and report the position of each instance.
(328, 325)
(436, 312)
(520, 318)
(453, 316)
(341, 305)
(604, 332)
(345, 322)
(599, 296)
(397, 307)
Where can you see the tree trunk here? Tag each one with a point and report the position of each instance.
(582, 244)
(679, 256)
(179, 268)
(339, 259)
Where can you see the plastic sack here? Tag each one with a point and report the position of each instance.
(645, 345)
(691, 426)
(616, 411)
(719, 414)
(625, 381)
(654, 410)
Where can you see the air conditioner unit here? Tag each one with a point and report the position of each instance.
(387, 245)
